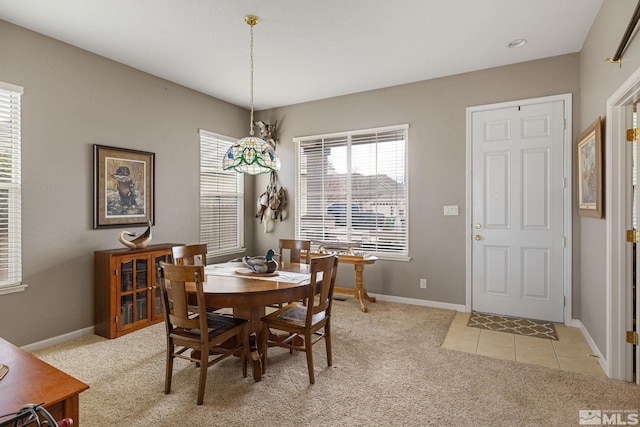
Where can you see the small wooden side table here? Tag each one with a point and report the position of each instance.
(359, 291)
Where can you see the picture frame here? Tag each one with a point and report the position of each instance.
(124, 182)
(589, 146)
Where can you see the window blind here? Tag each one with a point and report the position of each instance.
(352, 187)
(221, 198)
(10, 190)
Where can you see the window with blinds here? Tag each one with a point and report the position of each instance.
(352, 187)
(10, 189)
(221, 198)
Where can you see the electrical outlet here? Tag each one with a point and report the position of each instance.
(423, 283)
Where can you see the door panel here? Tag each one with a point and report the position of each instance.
(535, 194)
(518, 210)
(497, 195)
(535, 273)
(497, 277)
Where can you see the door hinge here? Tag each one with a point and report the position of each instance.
(633, 134)
(632, 337)
(564, 182)
(564, 301)
(633, 236)
(116, 320)
(564, 242)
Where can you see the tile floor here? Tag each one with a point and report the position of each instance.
(570, 352)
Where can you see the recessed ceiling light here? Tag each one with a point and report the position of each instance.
(517, 43)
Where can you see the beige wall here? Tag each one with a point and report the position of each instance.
(435, 111)
(73, 99)
(598, 81)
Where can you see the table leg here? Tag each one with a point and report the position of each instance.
(359, 292)
(253, 315)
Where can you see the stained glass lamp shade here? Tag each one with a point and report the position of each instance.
(251, 155)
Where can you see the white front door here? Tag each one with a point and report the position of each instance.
(518, 211)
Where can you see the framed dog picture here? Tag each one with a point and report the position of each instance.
(123, 187)
(590, 171)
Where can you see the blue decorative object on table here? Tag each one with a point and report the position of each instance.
(262, 264)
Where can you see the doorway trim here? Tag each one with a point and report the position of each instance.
(567, 223)
(617, 205)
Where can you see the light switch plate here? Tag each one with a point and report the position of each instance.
(451, 210)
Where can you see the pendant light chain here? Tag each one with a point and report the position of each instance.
(251, 83)
(251, 155)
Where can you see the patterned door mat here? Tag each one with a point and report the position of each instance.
(514, 325)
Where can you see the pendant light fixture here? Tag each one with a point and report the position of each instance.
(251, 155)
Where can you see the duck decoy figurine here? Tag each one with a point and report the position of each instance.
(139, 242)
(261, 264)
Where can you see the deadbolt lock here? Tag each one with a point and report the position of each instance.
(478, 226)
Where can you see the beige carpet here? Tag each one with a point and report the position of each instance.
(389, 370)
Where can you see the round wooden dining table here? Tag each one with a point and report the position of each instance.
(249, 296)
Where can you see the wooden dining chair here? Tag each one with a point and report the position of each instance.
(310, 321)
(205, 333)
(190, 254)
(294, 248)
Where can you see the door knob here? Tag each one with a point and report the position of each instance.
(477, 237)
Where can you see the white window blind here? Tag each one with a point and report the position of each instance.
(352, 187)
(221, 198)
(10, 189)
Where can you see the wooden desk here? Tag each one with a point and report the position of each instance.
(30, 380)
(358, 264)
(249, 298)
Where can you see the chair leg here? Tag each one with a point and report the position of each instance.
(245, 349)
(169, 368)
(265, 346)
(327, 341)
(309, 350)
(204, 359)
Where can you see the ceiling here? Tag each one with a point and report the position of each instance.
(306, 50)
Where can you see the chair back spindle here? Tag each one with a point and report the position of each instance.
(294, 249)
(190, 254)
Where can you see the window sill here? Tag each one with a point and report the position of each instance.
(234, 251)
(10, 289)
(387, 257)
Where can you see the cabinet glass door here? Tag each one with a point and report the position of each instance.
(157, 292)
(133, 291)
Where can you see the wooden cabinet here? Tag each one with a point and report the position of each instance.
(127, 294)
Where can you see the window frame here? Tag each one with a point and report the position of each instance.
(11, 96)
(349, 136)
(213, 161)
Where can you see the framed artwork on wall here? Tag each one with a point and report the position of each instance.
(123, 187)
(589, 146)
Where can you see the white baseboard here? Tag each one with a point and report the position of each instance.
(58, 340)
(576, 323)
(422, 302)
